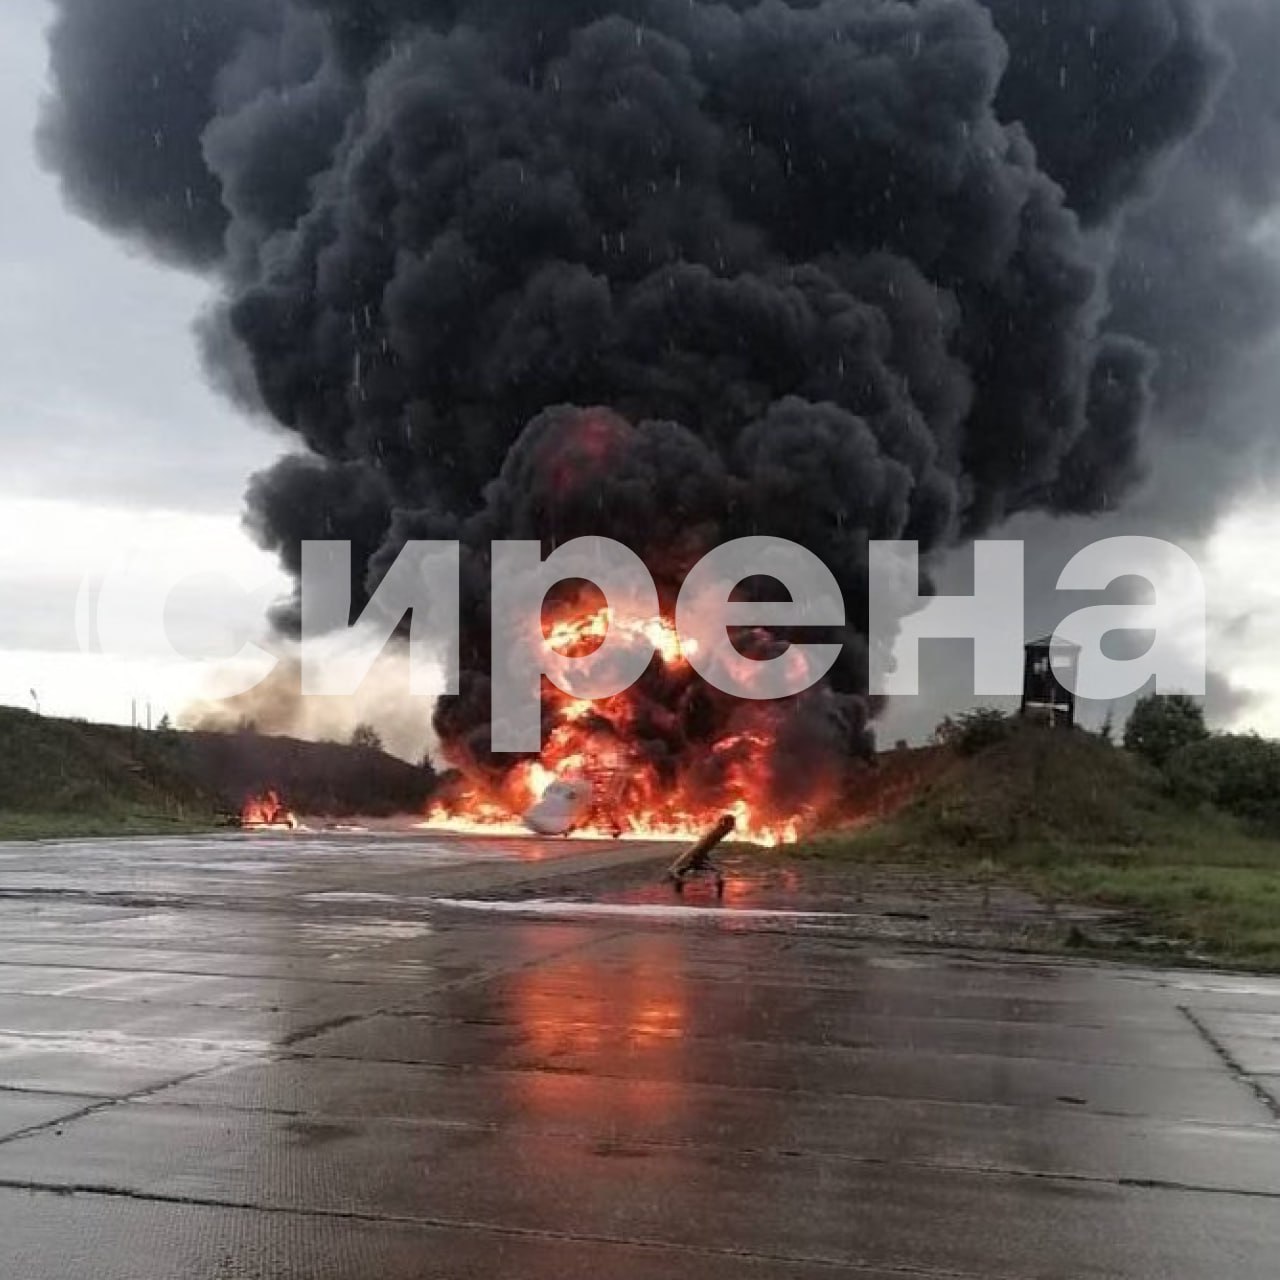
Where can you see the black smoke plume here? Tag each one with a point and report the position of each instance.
(664, 270)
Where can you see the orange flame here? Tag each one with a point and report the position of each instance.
(267, 812)
(593, 741)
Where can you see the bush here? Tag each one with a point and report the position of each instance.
(1239, 773)
(974, 731)
(364, 737)
(1162, 724)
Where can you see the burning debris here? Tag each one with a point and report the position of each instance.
(268, 812)
(789, 268)
(564, 807)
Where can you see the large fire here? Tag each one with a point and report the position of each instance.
(594, 747)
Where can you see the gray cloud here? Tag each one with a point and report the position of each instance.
(101, 395)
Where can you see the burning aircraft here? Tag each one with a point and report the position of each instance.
(624, 765)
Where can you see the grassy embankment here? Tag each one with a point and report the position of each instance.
(66, 778)
(1074, 818)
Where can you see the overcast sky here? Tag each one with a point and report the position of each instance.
(113, 450)
(118, 462)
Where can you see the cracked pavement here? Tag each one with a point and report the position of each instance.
(285, 1057)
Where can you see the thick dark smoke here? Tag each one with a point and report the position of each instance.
(838, 270)
(1197, 278)
(1193, 278)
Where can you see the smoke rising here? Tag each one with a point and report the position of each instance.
(675, 272)
(276, 708)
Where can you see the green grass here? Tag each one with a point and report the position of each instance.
(67, 778)
(1226, 912)
(1073, 818)
(70, 778)
(69, 826)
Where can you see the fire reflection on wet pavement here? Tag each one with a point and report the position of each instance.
(282, 1056)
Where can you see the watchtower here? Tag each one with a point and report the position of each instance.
(1051, 667)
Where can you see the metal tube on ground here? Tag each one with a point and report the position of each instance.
(698, 858)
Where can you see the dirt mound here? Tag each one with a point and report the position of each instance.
(1044, 788)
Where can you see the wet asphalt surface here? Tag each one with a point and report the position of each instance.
(324, 1057)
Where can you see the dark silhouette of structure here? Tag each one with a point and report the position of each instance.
(1050, 668)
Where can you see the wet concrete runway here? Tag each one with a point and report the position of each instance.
(283, 1057)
